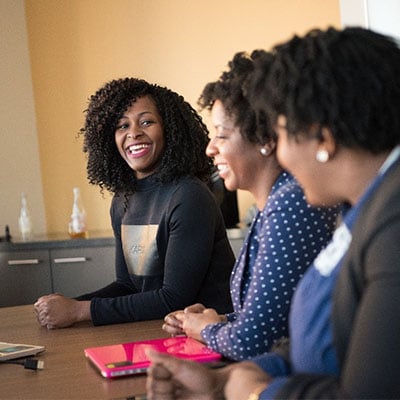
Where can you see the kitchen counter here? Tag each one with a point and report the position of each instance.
(59, 240)
(94, 239)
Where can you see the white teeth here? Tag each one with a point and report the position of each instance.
(137, 147)
(222, 167)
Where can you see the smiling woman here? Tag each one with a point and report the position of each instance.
(139, 137)
(275, 252)
(146, 145)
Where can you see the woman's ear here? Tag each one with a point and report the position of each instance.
(326, 146)
(268, 148)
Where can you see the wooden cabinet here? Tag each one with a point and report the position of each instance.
(81, 270)
(24, 276)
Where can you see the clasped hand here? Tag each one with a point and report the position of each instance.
(57, 311)
(173, 378)
(191, 321)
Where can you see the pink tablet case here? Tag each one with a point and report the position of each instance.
(130, 358)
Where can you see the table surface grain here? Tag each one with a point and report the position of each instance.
(67, 374)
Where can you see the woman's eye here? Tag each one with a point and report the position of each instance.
(146, 123)
(122, 126)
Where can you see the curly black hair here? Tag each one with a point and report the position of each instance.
(347, 80)
(186, 136)
(230, 89)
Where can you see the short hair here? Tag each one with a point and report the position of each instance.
(347, 80)
(186, 136)
(230, 89)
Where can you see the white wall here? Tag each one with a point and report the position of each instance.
(379, 15)
(19, 156)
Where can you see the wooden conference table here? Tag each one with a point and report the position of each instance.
(67, 374)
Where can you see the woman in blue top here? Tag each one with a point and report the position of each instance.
(284, 238)
(333, 97)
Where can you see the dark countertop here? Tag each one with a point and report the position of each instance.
(59, 240)
(94, 239)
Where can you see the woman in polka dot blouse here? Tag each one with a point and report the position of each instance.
(283, 240)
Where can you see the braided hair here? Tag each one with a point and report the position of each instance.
(347, 80)
(186, 136)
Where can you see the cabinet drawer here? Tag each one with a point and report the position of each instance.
(24, 276)
(76, 271)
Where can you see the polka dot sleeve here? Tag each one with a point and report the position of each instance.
(282, 242)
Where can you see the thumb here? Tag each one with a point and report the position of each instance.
(194, 308)
(174, 365)
(161, 358)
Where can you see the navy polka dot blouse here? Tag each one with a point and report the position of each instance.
(282, 242)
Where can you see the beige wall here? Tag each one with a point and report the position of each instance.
(77, 45)
(19, 157)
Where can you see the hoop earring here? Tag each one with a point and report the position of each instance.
(265, 152)
(322, 156)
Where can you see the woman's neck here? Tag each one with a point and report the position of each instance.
(359, 170)
(263, 184)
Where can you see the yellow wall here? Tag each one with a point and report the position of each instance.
(77, 45)
(19, 154)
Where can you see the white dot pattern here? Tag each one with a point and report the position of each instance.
(282, 242)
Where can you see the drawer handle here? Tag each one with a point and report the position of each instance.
(23, 262)
(70, 260)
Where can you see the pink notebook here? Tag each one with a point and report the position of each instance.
(130, 358)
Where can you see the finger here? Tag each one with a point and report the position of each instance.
(38, 319)
(171, 320)
(172, 330)
(159, 389)
(180, 317)
(209, 311)
(176, 366)
(170, 363)
(171, 315)
(38, 303)
(159, 372)
(195, 308)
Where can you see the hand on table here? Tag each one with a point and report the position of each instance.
(173, 325)
(57, 311)
(191, 321)
(173, 378)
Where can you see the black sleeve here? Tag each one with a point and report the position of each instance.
(111, 290)
(189, 241)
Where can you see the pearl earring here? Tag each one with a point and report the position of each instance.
(264, 151)
(322, 156)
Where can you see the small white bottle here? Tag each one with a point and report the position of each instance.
(77, 225)
(25, 222)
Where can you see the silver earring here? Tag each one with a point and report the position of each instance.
(322, 156)
(264, 151)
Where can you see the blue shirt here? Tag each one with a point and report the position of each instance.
(283, 240)
(311, 349)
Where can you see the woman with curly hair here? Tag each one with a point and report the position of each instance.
(284, 238)
(333, 97)
(146, 145)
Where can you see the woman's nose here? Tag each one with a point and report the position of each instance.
(134, 133)
(211, 150)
